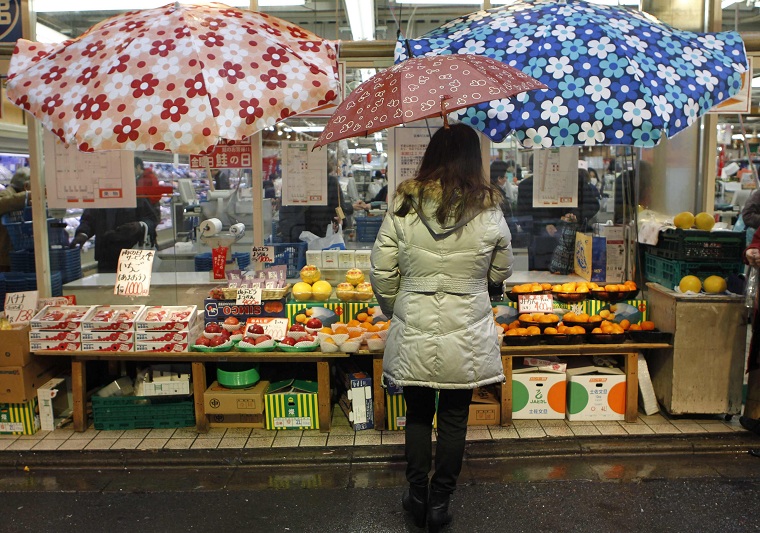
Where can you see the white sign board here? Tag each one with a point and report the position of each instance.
(248, 296)
(20, 307)
(304, 174)
(406, 146)
(535, 303)
(261, 255)
(134, 272)
(75, 179)
(274, 327)
(555, 177)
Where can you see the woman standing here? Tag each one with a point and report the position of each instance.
(440, 246)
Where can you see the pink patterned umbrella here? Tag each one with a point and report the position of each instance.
(176, 78)
(423, 87)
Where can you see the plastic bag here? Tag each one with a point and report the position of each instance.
(333, 240)
(750, 292)
(145, 244)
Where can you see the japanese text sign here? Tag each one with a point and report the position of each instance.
(261, 255)
(224, 156)
(535, 303)
(20, 307)
(133, 273)
(248, 296)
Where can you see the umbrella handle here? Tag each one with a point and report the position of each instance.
(444, 114)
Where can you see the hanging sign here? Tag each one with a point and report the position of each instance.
(10, 21)
(231, 155)
(20, 307)
(535, 303)
(134, 272)
(261, 255)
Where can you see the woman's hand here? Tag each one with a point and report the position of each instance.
(753, 257)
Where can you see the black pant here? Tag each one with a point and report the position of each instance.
(453, 409)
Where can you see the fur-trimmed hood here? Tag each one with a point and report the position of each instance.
(433, 197)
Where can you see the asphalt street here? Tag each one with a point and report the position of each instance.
(685, 492)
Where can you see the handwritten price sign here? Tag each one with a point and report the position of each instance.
(274, 327)
(20, 306)
(248, 296)
(262, 254)
(133, 273)
(535, 303)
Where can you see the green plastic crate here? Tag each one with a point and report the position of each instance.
(697, 245)
(668, 273)
(133, 412)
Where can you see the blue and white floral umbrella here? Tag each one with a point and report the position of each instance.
(615, 75)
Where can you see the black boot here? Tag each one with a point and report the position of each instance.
(415, 502)
(438, 511)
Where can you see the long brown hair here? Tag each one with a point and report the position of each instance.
(453, 158)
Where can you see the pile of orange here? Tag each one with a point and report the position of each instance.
(540, 318)
(531, 287)
(646, 325)
(609, 328)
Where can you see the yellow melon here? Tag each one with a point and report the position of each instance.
(321, 290)
(683, 220)
(715, 285)
(690, 283)
(704, 221)
(301, 291)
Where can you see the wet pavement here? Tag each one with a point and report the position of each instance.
(626, 485)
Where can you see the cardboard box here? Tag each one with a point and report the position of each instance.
(538, 394)
(221, 400)
(19, 418)
(485, 409)
(19, 384)
(314, 257)
(346, 259)
(255, 421)
(55, 400)
(163, 347)
(356, 401)
(166, 318)
(162, 336)
(163, 380)
(53, 335)
(107, 346)
(590, 257)
(219, 310)
(111, 318)
(14, 347)
(362, 259)
(329, 259)
(107, 336)
(65, 346)
(292, 404)
(60, 317)
(594, 392)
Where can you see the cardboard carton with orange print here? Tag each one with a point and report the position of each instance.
(594, 392)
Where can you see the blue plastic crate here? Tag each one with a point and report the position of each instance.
(292, 254)
(67, 261)
(19, 227)
(367, 228)
(20, 282)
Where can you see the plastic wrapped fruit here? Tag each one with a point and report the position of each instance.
(354, 276)
(345, 291)
(364, 291)
(310, 274)
(301, 291)
(321, 291)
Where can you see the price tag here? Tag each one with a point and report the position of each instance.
(261, 255)
(133, 273)
(535, 303)
(248, 296)
(20, 307)
(274, 327)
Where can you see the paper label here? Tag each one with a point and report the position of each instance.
(134, 272)
(20, 307)
(248, 295)
(535, 303)
(262, 254)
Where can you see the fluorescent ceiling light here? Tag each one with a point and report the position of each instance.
(728, 3)
(44, 34)
(379, 146)
(56, 6)
(362, 151)
(361, 19)
(307, 129)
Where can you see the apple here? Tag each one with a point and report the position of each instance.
(231, 321)
(250, 340)
(256, 329)
(213, 327)
(216, 341)
(225, 334)
(262, 338)
(314, 323)
(202, 341)
(306, 338)
(290, 341)
(297, 327)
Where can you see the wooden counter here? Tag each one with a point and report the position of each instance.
(629, 350)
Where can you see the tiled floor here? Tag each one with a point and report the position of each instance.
(342, 434)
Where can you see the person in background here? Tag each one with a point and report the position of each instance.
(147, 178)
(221, 179)
(627, 197)
(377, 184)
(596, 183)
(750, 419)
(14, 198)
(268, 189)
(442, 245)
(114, 230)
(751, 210)
(543, 221)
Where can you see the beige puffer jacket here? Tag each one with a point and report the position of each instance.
(433, 281)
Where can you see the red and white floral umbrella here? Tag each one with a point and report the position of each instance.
(176, 78)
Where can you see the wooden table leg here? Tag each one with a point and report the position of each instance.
(631, 387)
(506, 391)
(323, 395)
(79, 394)
(199, 387)
(378, 395)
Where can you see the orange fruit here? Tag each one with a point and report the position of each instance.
(301, 318)
(597, 330)
(329, 340)
(647, 325)
(546, 286)
(370, 310)
(550, 331)
(353, 323)
(526, 317)
(362, 317)
(561, 328)
(625, 324)
(634, 327)
(533, 330)
(309, 311)
(327, 330)
(577, 330)
(511, 333)
(341, 330)
(385, 326)
(354, 334)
